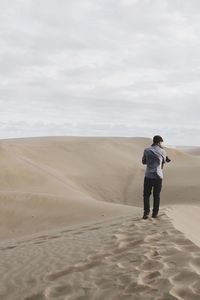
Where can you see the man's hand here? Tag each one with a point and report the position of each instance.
(144, 160)
(168, 159)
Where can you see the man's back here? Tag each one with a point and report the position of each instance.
(154, 156)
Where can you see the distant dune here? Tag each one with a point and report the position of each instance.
(63, 198)
(79, 171)
(53, 181)
(190, 149)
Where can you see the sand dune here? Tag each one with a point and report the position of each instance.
(126, 258)
(190, 149)
(48, 182)
(71, 227)
(84, 171)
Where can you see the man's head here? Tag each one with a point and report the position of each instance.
(157, 140)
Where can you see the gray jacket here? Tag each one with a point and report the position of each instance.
(154, 157)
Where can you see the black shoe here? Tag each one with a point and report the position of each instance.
(145, 216)
(154, 215)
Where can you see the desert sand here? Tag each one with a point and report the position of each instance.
(71, 226)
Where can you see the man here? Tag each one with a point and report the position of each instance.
(154, 158)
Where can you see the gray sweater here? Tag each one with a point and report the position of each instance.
(154, 157)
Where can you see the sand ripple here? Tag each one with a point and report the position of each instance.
(127, 258)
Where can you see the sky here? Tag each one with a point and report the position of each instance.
(100, 68)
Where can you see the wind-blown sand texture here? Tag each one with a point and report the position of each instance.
(71, 227)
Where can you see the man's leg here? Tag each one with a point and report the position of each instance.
(156, 196)
(146, 194)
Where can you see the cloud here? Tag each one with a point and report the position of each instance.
(127, 64)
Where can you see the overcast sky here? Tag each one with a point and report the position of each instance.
(100, 68)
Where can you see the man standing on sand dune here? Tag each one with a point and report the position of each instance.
(154, 158)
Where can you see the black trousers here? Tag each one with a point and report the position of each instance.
(156, 185)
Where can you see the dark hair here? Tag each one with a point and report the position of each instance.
(157, 139)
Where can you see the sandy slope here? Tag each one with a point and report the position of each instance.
(71, 227)
(186, 218)
(124, 258)
(48, 182)
(36, 173)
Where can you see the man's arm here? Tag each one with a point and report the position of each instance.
(163, 158)
(163, 162)
(144, 159)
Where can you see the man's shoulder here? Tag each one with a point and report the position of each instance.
(163, 151)
(147, 148)
(155, 149)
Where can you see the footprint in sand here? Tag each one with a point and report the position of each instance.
(35, 297)
(149, 277)
(68, 292)
(185, 277)
(195, 286)
(152, 265)
(184, 293)
(140, 261)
